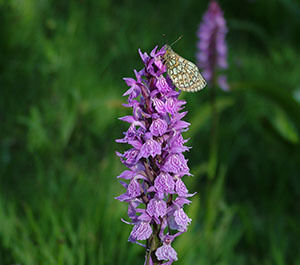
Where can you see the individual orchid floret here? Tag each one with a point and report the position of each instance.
(150, 148)
(141, 231)
(179, 220)
(164, 184)
(166, 252)
(158, 127)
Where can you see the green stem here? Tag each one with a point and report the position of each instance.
(213, 155)
(152, 244)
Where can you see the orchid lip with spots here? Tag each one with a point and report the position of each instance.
(153, 180)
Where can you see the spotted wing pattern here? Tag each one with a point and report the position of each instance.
(184, 74)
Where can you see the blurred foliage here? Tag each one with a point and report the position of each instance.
(61, 69)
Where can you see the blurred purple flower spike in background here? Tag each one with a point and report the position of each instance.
(211, 47)
(155, 192)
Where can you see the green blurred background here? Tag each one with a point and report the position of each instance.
(61, 69)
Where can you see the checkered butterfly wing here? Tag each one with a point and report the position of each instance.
(184, 74)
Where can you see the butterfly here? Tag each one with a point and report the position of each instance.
(184, 74)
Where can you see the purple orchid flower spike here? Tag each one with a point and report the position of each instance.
(155, 163)
(212, 48)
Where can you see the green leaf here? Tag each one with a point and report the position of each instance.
(287, 117)
(284, 126)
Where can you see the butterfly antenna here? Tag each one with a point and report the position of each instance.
(180, 37)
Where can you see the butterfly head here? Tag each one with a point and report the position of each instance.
(168, 52)
(168, 47)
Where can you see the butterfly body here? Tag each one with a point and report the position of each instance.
(184, 74)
